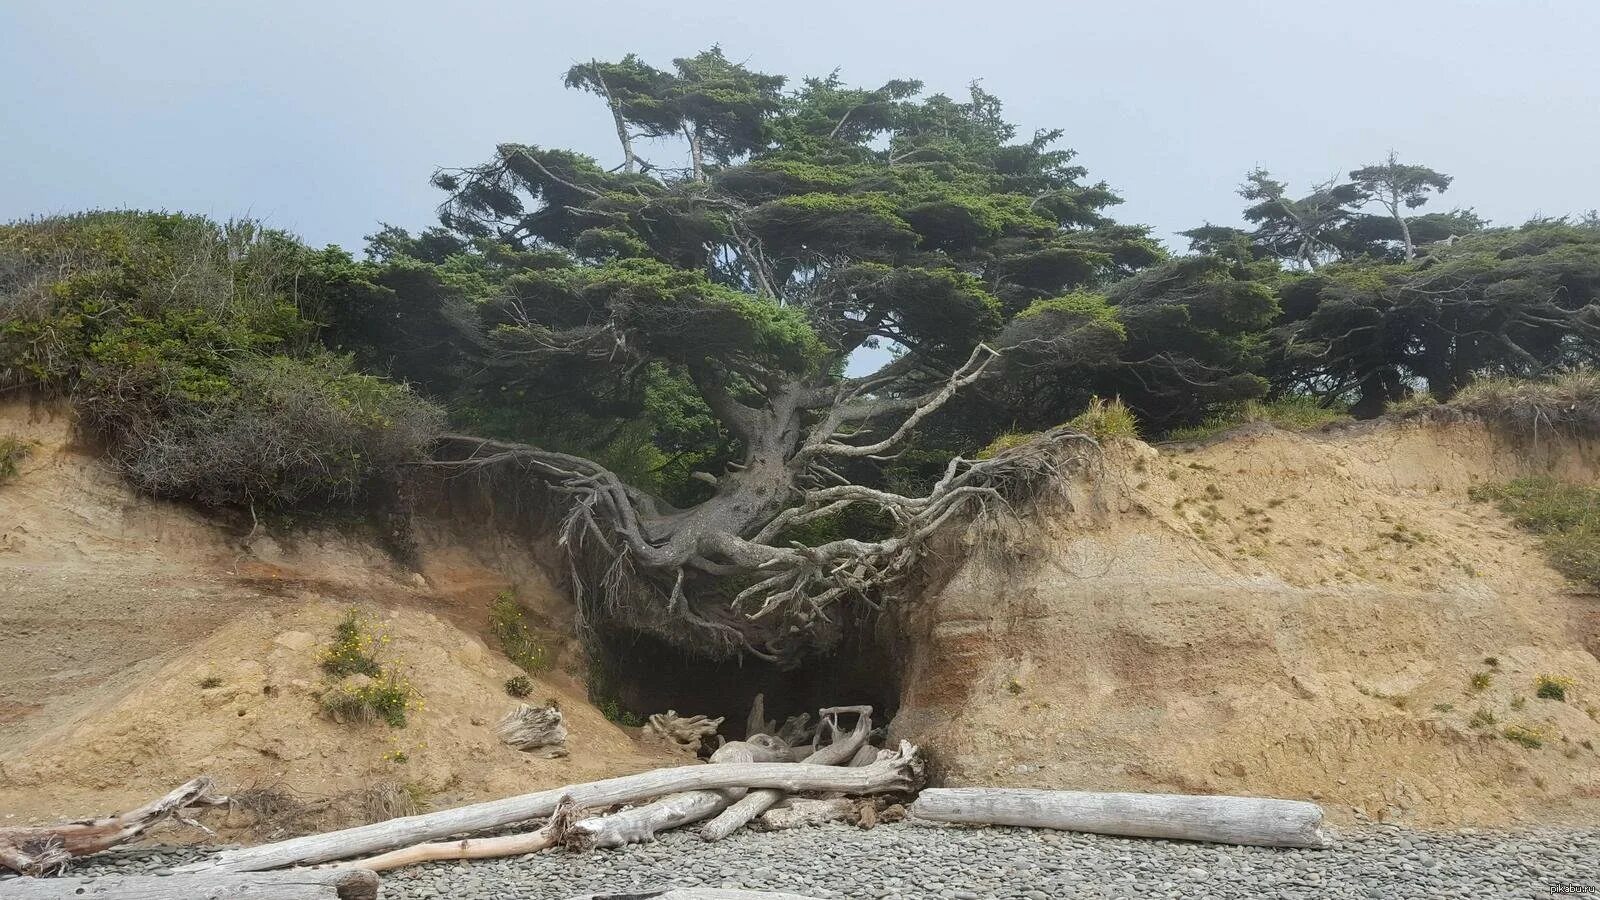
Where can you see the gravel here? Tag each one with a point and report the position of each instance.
(910, 861)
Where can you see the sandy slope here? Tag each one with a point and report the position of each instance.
(114, 609)
(1275, 614)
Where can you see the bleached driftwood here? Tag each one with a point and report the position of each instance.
(840, 750)
(296, 884)
(476, 848)
(532, 727)
(756, 722)
(902, 772)
(44, 849)
(800, 813)
(1223, 820)
(684, 733)
(641, 823)
(693, 894)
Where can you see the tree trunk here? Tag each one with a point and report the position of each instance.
(298, 884)
(1224, 820)
(903, 772)
(38, 850)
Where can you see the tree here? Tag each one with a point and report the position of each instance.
(809, 224)
(1309, 231)
(1398, 186)
(1510, 301)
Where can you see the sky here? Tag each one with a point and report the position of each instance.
(326, 118)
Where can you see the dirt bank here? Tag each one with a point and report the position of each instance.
(142, 643)
(1275, 614)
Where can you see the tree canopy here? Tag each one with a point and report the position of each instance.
(666, 344)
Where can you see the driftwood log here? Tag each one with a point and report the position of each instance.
(44, 849)
(686, 734)
(476, 848)
(641, 823)
(1224, 820)
(296, 884)
(902, 772)
(842, 749)
(532, 727)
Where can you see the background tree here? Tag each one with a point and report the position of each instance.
(1396, 187)
(1307, 231)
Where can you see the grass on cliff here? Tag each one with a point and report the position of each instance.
(1569, 401)
(1291, 413)
(1565, 516)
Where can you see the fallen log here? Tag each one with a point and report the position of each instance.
(641, 823)
(44, 849)
(476, 848)
(693, 894)
(296, 884)
(900, 773)
(839, 751)
(1223, 820)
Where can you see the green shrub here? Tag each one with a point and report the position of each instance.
(13, 450)
(354, 651)
(1106, 419)
(1295, 412)
(387, 700)
(506, 623)
(1552, 687)
(1482, 718)
(1521, 734)
(1565, 516)
(519, 686)
(617, 714)
(1480, 680)
(182, 345)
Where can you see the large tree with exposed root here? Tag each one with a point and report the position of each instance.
(752, 242)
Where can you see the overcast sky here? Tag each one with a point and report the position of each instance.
(327, 117)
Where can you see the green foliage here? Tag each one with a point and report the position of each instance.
(1480, 681)
(507, 624)
(617, 714)
(1005, 442)
(13, 450)
(371, 691)
(354, 650)
(1290, 413)
(387, 701)
(182, 344)
(1565, 516)
(519, 686)
(1106, 419)
(1528, 737)
(1552, 687)
(1483, 718)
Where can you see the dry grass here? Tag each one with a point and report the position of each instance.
(1570, 401)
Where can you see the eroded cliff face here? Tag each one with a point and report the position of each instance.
(143, 643)
(1274, 614)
